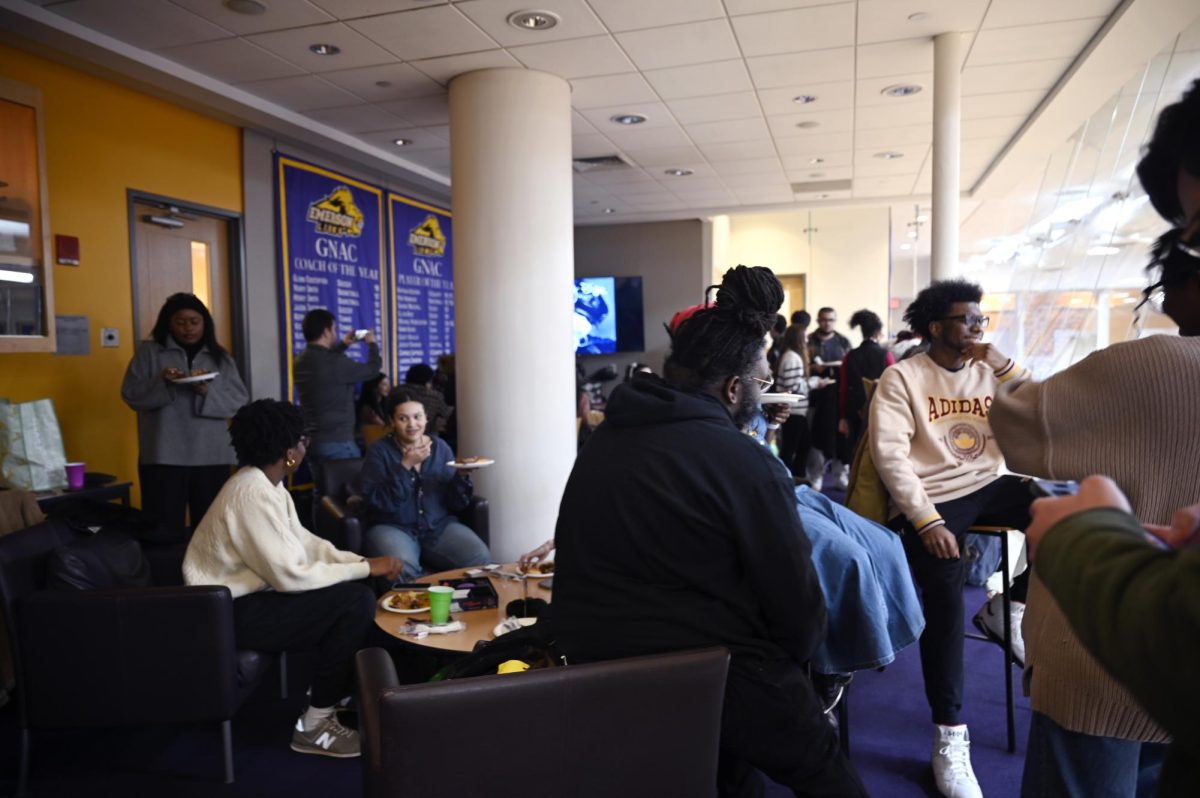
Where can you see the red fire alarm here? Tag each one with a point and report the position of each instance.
(66, 250)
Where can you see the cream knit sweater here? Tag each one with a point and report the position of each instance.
(930, 437)
(1130, 412)
(251, 539)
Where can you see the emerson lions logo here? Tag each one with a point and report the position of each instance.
(427, 238)
(336, 214)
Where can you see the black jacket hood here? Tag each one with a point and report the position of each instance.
(648, 399)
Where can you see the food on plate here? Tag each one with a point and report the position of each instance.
(409, 600)
(546, 567)
(199, 372)
(469, 460)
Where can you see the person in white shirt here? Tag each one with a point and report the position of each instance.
(934, 450)
(291, 589)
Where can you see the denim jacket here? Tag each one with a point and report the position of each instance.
(421, 500)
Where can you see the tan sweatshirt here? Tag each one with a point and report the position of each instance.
(930, 436)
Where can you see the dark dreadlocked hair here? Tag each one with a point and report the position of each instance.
(1175, 144)
(263, 431)
(869, 322)
(726, 338)
(933, 303)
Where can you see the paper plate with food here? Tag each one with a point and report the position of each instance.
(469, 463)
(406, 602)
(538, 570)
(197, 376)
(781, 398)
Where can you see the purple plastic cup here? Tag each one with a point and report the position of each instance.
(75, 476)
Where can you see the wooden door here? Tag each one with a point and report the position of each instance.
(180, 251)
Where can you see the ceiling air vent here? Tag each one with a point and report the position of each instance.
(821, 186)
(603, 163)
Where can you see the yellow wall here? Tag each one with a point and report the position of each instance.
(102, 139)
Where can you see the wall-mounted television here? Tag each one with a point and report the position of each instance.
(608, 315)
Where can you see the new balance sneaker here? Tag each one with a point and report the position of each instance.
(952, 763)
(990, 621)
(327, 738)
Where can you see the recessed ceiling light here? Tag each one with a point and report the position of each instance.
(906, 246)
(325, 49)
(902, 90)
(911, 234)
(816, 161)
(252, 7)
(628, 119)
(807, 124)
(889, 155)
(610, 210)
(917, 17)
(922, 219)
(533, 20)
(402, 142)
(678, 172)
(804, 99)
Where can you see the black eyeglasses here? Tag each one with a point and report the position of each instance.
(968, 320)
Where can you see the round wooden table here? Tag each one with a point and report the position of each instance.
(480, 623)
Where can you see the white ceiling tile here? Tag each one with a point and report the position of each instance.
(888, 20)
(749, 166)
(980, 152)
(703, 185)
(885, 137)
(743, 105)
(774, 179)
(817, 145)
(830, 97)
(870, 90)
(143, 23)
(797, 30)
(887, 116)
(1011, 103)
(349, 9)
(1189, 39)
(731, 131)
(425, 33)
(666, 156)
(827, 160)
(402, 81)
(443, 70)
(1013, 77)
(280, 14)
(702, 80)
(866, 164)
(820, 66)
(422, 111)
(358, 118)
(737, 7)
(419, 138)
(576, 58)
(656, 115)
(738, 150)
(828, 122)
(765, 196)
(658, 204)
(1010, 13)
(987, 127)
(357, 50)
(895, 58)
(622, 15)
(634, 139)
(621, 177)
(575, 21)
(580, 125)
(680, 45)
(819, 173)
(591, 145)
(1032, 42)
(302, 93)
(232, 60)
(610, 90)
(884, 186)
(710, 199)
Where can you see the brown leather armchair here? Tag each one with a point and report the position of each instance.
(645, 726)
(340, 519)
(115, 657)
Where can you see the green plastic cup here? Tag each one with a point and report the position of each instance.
(439, 604)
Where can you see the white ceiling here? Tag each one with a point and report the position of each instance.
(715, 79)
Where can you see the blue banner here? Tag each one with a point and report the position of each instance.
(331, 248)
(422, 267)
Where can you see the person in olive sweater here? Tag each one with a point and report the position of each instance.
(1132, 595)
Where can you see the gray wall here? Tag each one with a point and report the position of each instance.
(670, 257)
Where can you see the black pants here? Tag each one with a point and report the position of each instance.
(772, 721)
(794, 443)
(1004, 502)
(333, 620)
(177, 497)
(825, 437)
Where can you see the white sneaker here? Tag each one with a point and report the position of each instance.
(952, 763)
(990, 621)
(841, 472)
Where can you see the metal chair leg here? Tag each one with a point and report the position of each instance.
(23, 765)
(1006, 603)
(227, 748)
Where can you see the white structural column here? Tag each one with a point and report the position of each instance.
(510, 141)
(948, 52)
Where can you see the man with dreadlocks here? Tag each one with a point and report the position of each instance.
(676, 531)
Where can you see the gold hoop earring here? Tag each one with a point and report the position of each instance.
(290, 462)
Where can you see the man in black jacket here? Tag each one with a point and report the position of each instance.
(677, 531)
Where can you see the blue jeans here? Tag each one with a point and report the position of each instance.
(1067, 764)
(456, 547)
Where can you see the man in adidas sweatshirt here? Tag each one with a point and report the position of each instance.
(933, 447)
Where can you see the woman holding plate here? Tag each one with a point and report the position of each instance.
(412, 489)
(184, 387)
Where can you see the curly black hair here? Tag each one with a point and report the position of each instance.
(184, 301)
(399, 396)
(869, 322)
(725, 339)
(934, 303)
(1175, 144)
(264, 430)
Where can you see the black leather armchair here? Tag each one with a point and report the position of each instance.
(646, 726)
(117, 656)
(340, 519)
